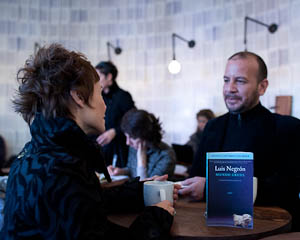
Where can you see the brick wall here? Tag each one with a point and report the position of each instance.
(143, 29)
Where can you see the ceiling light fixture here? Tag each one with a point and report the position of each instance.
(117, 49)
(272, 28)
(174, 66)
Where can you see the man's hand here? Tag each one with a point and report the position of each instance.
(193, 187)
(106, 137)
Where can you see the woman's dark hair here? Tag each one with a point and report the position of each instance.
(106, 68)
(144, 125)
(46, 80)
(207, 113)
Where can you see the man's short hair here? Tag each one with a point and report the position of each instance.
(106, 68)
(262, 67)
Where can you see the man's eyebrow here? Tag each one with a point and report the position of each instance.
(241, 77)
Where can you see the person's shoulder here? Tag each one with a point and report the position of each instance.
(163, 148)
(122, 92)
(164, 145)
(287, 122)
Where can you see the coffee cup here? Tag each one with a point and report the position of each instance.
(157, 191)
(254, 189)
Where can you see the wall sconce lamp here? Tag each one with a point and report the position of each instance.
(117, 50)
(174, 66)
(37, 46)
(272, 28)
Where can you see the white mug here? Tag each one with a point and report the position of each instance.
(254, 188)
(157, 191)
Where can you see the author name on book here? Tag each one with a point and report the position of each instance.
(229, 169)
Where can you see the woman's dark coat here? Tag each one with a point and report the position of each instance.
(53, 192)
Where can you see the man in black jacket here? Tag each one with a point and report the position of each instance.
(250, 127)
(118, 102)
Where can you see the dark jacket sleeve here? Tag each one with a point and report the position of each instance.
(127, 197)
(81, 211)
(154, 223)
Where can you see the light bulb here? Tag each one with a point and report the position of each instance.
(174, 67)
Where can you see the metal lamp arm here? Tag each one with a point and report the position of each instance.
(109, 45)
(191, 43)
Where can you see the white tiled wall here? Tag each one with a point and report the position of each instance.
(143, 29)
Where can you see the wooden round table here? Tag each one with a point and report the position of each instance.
(284, 236)
(190, 223)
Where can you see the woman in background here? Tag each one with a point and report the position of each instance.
(53, 191)
(148, 155)
(203, 116)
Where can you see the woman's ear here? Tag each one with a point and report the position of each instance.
(77, 98)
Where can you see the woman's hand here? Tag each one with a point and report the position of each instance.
(141, 154)
(157, 178)
(175, 192)
(167, 205)
(114, 171)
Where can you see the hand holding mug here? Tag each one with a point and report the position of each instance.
(167, 205)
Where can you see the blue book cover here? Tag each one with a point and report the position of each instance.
(229, 189)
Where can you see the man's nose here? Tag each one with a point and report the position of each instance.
(232, 86)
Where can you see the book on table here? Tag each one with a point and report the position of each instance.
(229, 189)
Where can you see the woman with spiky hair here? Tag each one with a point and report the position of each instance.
(53, 191)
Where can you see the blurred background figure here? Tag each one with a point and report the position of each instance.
(118, 102)
(203, 116)
(4, 161)
(148, 155)
(185, 153)
(2, 151)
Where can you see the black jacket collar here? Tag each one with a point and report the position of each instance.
(64, 133)
(112, 89)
